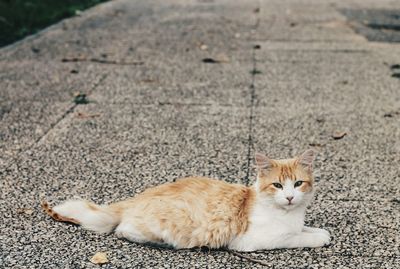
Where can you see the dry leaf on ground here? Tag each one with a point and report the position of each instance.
(99, 258)
(314, 144)
(203, 47)
(338, 135)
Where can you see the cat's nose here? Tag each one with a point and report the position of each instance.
(289, 198)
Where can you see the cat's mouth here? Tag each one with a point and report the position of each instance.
(290, 205)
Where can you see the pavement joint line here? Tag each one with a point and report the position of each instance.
(252, 97)
(250, 136)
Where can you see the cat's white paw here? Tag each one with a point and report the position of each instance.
(316, 230)
(325, 232)
(322, 231)
(321, 239)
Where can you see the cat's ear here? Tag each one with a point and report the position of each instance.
(307, 158)
(262, 161)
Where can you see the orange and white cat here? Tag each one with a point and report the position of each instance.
(195, 212)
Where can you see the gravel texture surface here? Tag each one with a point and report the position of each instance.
(177, 88)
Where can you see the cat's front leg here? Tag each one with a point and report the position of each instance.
(315, 230)
(305, 240)
(299, 240)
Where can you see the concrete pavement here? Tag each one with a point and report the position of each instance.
(286, 76)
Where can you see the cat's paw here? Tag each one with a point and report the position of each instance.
(326, 232)
(322, 231)
(321, 239)
(316, 230)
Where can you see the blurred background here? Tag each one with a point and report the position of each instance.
(19, 18)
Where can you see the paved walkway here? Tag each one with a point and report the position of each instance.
(178, 88)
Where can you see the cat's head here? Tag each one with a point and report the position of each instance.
(285, 183)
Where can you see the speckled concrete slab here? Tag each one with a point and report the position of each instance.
(177, 88)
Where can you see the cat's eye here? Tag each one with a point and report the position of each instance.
(298, 183)
(277, 185)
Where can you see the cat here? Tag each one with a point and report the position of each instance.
(203, 212)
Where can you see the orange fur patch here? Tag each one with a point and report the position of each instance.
(283, 170)
(193, 211)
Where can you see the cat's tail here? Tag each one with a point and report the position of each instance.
(98, 218)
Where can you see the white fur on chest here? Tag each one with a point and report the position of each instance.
(269, 226)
